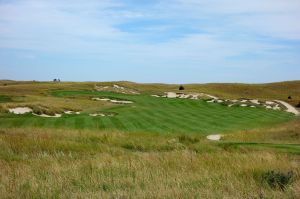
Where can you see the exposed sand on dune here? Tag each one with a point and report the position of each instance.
(215, 137)
(289, 107)
(20, 110)
(116, 88)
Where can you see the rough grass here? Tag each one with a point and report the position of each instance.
(39, 163)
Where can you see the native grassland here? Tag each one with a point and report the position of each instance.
(151, 157)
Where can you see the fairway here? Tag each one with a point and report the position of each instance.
(150, 114)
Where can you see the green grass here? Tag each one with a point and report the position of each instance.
(4, 99)
(152, 114)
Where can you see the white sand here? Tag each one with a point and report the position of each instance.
(101, 115)
(20, 110)
(216, 137)
(289, 107)
(71, 112)
(97, 114)
(270, 102)
(100, 99)
(44, 115)
(113, 101)
(121, 102)
(171, 95)
(243, 105)
(254, 101)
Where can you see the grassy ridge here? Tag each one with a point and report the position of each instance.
(154, 115)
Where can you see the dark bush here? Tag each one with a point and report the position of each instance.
(278, 180)
(181, 88)
(289, 97)
(298, 105)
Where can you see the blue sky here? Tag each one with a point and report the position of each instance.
(170, 41)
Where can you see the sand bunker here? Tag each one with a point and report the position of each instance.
(289, 107)
(113, 101)
(71, 112)
(216, 137)
(45, 115)
(20, 110)
(116, 88)
(102, 114)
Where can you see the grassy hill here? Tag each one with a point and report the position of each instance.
(152, 148)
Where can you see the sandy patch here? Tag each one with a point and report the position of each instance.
(100, 99)
(270, 102)
(254, 101)
(116, 88)
(20, 110)
(216, 137)
(102, 114)
(44, 115)
(71, 112)
(289, 107)
(243, 105)
(113, 101)
(171, 95)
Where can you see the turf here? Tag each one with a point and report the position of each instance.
(150, 114)
(4, 99)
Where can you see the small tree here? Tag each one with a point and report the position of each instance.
(181, 88)
(289, 97)
(54, 80)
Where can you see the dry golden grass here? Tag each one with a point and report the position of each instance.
(44, 163)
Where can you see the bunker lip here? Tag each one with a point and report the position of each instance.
(20, 110)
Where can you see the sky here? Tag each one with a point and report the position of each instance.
(167, 41)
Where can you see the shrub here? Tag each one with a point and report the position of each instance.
(278, 180)
(298, 105)
(289, 97)
(181, 88)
